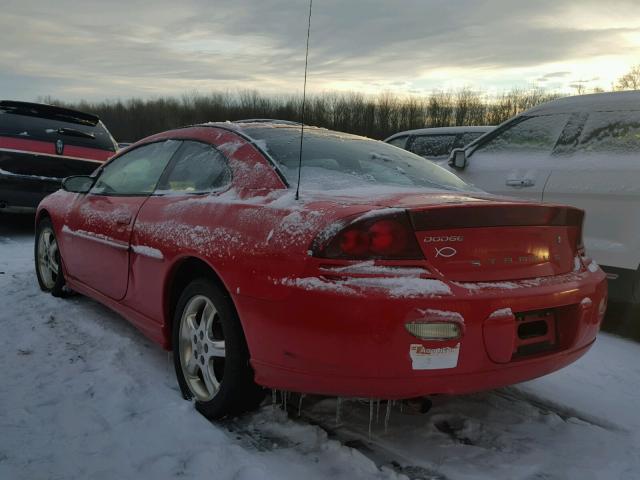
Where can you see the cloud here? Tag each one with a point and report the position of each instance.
(72, 49)
(553, 76)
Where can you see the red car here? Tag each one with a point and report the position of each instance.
(388, 278)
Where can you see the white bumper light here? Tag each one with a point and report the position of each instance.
(434, 330)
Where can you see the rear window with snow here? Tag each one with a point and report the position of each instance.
(334, 160)
(528, 134)
(615, 132)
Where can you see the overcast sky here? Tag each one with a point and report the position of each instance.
(72, 49)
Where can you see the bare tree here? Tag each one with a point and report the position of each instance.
(354, 112)
(630, 80)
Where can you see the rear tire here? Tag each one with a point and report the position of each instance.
(47, 260)
(210, 353)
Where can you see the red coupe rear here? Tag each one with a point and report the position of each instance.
(388, 278)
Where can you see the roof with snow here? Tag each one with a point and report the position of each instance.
(612, 101)
(442, 131)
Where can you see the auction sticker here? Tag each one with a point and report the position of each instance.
(424, 358)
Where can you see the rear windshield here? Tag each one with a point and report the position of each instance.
(333, 160)
(50, 129)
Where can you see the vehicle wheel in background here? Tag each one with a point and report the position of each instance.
(47, 259)
(210, 353)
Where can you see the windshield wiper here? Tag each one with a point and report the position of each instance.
(75, 133)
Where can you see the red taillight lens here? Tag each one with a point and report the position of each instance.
(389, 237)
(354, 242)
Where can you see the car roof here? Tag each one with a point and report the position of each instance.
(611, 101)
(240, 125)
(267, 120)
(443, 131)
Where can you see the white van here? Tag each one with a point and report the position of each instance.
(582, 151)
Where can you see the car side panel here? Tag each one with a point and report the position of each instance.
(97, 234)
(609, 194)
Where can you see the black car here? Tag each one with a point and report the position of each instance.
(40, 145)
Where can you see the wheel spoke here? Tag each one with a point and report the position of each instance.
(208, 314)
(191, 324)
(210, 381)
(53, 266)
(53, 249)
(192, 366)
(217, 348)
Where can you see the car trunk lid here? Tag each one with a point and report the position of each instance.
(498, 241)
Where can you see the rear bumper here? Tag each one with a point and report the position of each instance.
(23, 193)
(334, 342)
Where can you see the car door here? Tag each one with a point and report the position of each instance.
(517, 159)
(177, 215)
(99, 226)
(597, 170)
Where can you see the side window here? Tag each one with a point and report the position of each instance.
(196, 168)
(611, 132)
(531, 134)
(433, 145)
(398, 142)
(136, 172)
(466, 138)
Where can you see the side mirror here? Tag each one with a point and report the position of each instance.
(78, 183)
(458, 158)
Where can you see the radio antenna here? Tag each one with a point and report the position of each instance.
(304, 98)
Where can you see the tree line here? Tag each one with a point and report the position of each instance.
(372, 116)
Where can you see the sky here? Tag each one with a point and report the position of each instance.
(72, 50)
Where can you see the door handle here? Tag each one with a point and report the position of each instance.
(520, 182)
(123, 219)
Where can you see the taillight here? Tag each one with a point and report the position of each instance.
(383, 237)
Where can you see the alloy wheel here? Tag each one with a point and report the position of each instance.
(48, 258)
(202, 348)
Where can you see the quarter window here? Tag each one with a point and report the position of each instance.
(136, 172)
(531, 134)
(197, 168)
(611, 132)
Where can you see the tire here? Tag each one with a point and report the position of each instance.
(47, 258)
(210, 353)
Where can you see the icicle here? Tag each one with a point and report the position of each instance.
(300, 404)
(274, 397)
(402, 406)
(387, 416)
(284, 401)
(338, 407)
(370, 416)
(377, 410)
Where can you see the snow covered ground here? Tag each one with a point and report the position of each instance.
(84, 395)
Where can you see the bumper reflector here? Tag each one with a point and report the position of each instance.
(434, 330)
